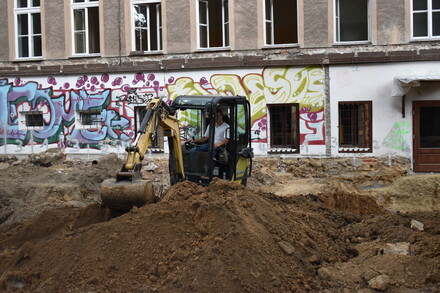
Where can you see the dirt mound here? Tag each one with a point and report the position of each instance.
(222, 238)
(411, 194)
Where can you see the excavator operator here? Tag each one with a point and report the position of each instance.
(220, 139)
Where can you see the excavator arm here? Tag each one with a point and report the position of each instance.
(128, 189)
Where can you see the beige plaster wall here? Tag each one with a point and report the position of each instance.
(391, 22)
(246, 22)
(53, 26)
(315, 23)
(178, 25)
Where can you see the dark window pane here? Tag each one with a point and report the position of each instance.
(353, 20)
(435, 4)
(79, 19)
(153, 28)
(436, 24)
(269, 40)
(283, 126)
(23, 47)
(37, 46)
(420, 25)
(22, 24)
(420, 4)
(203, 37)
(203, 17)
(80, 41)
(268, 10)
(285, 22)
(93, 19)
(140, 16)
(21, 3)
(36, 23)
(430, 127)
(141, 40)
(35, 3)
(355, 125)
(34, 120)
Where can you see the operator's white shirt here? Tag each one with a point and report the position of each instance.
(219, 132)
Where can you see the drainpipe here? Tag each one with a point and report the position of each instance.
(327, 112)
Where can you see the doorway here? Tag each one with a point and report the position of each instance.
(426, 140)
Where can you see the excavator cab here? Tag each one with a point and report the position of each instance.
(232, 162)
(187, 118)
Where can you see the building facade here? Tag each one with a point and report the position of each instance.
(324, 77)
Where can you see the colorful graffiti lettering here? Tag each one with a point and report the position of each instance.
(117, 96)
(279, 85)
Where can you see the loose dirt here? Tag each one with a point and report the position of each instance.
(288, 231)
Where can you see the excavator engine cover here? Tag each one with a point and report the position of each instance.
(124, 195)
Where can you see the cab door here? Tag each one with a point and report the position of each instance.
(243, 154)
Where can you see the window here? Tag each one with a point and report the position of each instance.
(85, 15)
(284, 128)
(352, 19)
(28, 28)
(147, 23)
(280, 22)
(87, 119)
(31, 120)
(425, 18)
(157, 142)
(213, 25)
(355, 126)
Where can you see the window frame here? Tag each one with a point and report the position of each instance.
(225, 23)
(158, 25)
(79, 119)
(24, 121)
(272, 45)
(85, 4)
(294, 148)
(29, 10)
(337, 29)
(368, 129)
(429, 13)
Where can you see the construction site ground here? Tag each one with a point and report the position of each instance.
(301, 225)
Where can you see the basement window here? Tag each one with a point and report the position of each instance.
(213, 23)
(86, 119)
(31, 120)
(355, 127)
(425, 19)
(157, 142)
(284, 128)
(280, 22)
(352, 21)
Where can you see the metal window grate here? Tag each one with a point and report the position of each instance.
(355, 126)
(34, 119)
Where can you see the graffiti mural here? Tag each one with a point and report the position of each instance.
(116, 96)
(395, 138)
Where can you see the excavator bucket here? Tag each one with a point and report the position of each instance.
(123, 195)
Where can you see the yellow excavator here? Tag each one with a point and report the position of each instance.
(186, 119)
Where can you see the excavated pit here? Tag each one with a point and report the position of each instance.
(286, 232)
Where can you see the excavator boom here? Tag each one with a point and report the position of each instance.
(128, 189)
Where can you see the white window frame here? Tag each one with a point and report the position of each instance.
(225, 23)
(79, 119)
(429, 11)
(82, 5)
(337, 28)
(29, 10)
(23, 120)
(272, 30)
(158, 24)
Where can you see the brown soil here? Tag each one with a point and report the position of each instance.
(285, 232)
